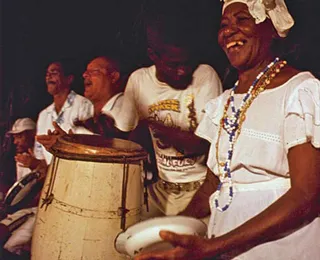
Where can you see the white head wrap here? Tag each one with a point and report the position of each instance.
(276, 10)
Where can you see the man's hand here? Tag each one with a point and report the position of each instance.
(102, 125)
(186, 247)
(161, 133)
(51, 138)
(27, 160)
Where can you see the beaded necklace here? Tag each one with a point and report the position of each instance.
(233, 123)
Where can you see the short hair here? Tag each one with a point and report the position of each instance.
(67, 65)
(113, 57)
(113, 62)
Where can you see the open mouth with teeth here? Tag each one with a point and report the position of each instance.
(234, 45)
(87, 83)
(51, 82)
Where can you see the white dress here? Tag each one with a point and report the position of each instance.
(277, 120)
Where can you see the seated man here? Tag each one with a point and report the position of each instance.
(16, 232)
(23, 133)
(15, 166)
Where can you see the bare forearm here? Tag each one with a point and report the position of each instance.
(35, 163)
(199, 206)
(42, 168)
(289, 212)
(184, 141)
(286, 214)
(189, 142)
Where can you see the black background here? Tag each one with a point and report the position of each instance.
(37, 32)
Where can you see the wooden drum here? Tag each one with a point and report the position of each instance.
(92, 192)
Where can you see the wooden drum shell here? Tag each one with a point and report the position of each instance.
(81, 216)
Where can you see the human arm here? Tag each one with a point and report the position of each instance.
(199, 205)
(34, 164)
(184, 141)
(28, 160)
(189, 246)
(51, 137)
(298, 205)
(103, 125)
(206, 86)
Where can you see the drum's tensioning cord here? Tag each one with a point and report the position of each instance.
(122, 211)
(49, 195)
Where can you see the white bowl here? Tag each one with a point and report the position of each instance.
(144, 236)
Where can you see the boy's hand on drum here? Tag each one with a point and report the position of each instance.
(186, 247)
(102, 125)
(105, 125)
(51, 138)
(88, 123)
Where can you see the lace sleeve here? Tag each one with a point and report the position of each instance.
(302, 117)
(209, 125)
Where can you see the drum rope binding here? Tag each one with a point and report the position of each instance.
(122, 211)
(145, 184)
(49, 195)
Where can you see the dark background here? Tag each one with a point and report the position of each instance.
(33, 33)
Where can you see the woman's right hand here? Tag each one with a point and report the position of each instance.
(186, 247)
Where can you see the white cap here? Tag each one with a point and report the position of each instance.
(275, 10)
(22, 124)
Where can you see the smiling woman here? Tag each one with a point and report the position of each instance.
(262, 185)
(239, 33)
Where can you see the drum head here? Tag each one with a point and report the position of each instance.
(21, 191)
(144, 236)
(96, 148)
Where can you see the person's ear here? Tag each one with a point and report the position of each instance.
(273, 30)
(70, 79)
(152, 55)
(115, 76)
(275, 34)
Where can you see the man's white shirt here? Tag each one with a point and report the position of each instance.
(76, 107)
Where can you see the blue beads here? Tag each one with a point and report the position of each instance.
(231, 124)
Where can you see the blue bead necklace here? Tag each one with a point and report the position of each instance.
(232, 125)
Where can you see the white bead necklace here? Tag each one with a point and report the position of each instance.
(232, 125)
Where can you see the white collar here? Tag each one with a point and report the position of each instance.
(111, 102)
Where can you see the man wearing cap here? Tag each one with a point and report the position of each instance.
(12, 167)
(23, 132)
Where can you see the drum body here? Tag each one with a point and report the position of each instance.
(93, 191)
